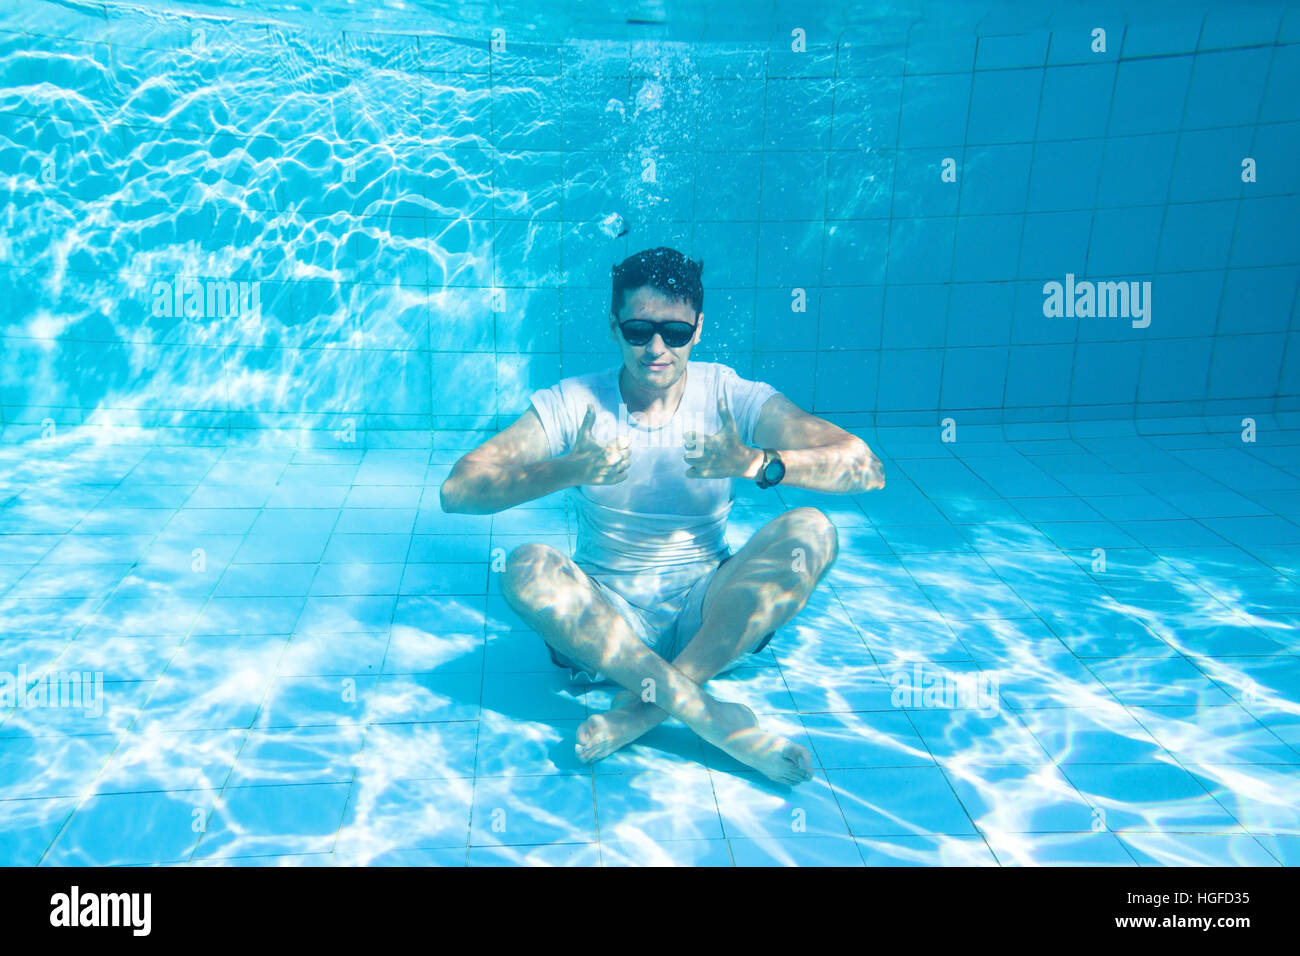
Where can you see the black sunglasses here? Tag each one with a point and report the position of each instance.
(639, 332)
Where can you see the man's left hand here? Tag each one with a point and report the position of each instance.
(722, 454)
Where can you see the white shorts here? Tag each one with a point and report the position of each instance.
(664, 609)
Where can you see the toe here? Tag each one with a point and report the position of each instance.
(589, 731)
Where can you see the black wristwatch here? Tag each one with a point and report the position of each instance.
(772, 470)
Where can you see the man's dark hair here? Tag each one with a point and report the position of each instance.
(663, 269)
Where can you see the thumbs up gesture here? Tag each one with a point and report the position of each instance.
(722, 454)
(595, 463)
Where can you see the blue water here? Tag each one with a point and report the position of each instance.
(228, 518)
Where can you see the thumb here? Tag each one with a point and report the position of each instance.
(724, 413)
(588, 421)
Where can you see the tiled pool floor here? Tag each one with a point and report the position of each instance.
(305, 661)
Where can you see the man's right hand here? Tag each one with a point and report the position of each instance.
(595, 463)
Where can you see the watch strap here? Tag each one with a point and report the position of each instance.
(769, 455)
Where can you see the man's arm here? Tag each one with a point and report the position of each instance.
(516, 465)
(818, 455)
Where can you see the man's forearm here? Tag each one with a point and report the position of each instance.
(846, 467)
(479, 488)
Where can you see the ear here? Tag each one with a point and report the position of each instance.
(699, 327)
(613, 327)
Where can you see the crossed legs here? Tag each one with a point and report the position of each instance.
(761, 588)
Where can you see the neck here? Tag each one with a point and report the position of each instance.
(650, 402)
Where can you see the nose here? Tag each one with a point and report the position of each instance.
(655, 347)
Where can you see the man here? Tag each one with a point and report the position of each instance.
(652, 598)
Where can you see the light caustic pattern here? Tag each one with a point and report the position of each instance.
(339, 680)
(304, 661)
(386, 206)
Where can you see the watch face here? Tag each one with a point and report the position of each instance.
(774, 471)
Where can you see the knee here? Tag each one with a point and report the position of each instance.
(529, 570)
(816, 533)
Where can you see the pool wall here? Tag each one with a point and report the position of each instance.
(424, 224)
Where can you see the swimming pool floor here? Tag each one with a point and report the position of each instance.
(306, 662)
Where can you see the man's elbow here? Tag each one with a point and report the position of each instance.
(869, 472)
(877, 474)
(465, 492)
(453, 495)
(449, 497)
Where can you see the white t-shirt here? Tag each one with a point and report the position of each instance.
(657, 518)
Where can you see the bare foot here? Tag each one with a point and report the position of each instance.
(735, 730)
(627, 719)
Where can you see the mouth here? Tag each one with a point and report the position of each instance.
(658, 366)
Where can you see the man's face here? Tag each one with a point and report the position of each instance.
(654, 364)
